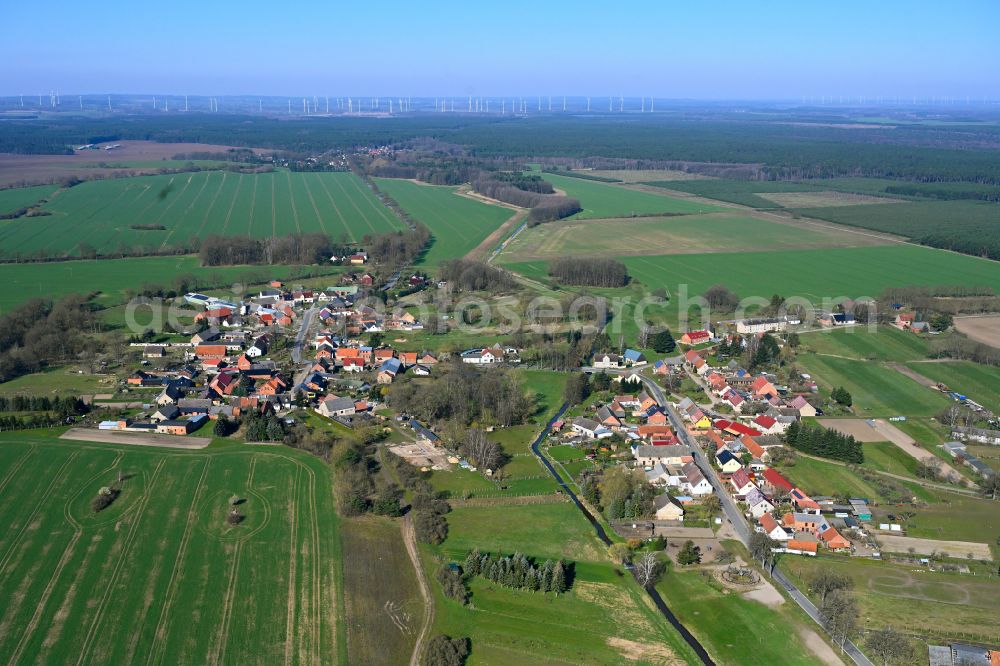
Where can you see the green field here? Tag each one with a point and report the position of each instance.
(734, 630)
(886, 343)
(59, 381)
(600, 200)
(878, 390)
(22, 197)
(458, 224)
(815, 274)
(603, 617)
(112, 277)
(99, 213)
(978, 382)
(975, 219)
(159, 576)
(672, 235)
(926, 603)
(818, 477)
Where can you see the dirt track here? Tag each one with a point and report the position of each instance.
(136, 439)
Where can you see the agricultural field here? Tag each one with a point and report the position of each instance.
(863, 271)
(458, 224)
(878, 391)
(642, 175)
(23, 197)
(381, 593)
(100, 214)
(819, 477)
(160, 575)
(603, 200)
(823, 199)
(111, 277)
(743, 192)
(885, 343)
(513, 626)
(970, 219)
(979, 382)
(59, 381)
(688, 234)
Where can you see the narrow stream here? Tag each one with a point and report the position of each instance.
(603, 536)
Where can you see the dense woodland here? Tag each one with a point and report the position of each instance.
(40, 332)
(471, 275)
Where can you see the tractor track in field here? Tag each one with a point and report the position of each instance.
(159, 633)
(356, 207)
(119, 565)
(12, 472)
(229, 213)
(67, 554)
(315, 208)
(343, 220)
(293, 519)
(410, 540)
(38, 505)
(187, 211)
(291, 197)
(253, 206)
(211, 204)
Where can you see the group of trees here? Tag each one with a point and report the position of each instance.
(622, 494)
(577, 388)
(689, 553)
(589, 271)
(460, 393)
(842, 396)
(961, 347)
(40, 332)
(292, 249)
(63, 406)
(264, 428)
(397, 248)
(824, 442)
(444, 650)
(472, 275)
(526, 192)
(518, 572)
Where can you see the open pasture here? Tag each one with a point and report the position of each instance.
(885, 343)
(688, 234)
(743, 192)
(921, 602)
(600, 200)
(160, 576)
(458, 224)
(101, 213)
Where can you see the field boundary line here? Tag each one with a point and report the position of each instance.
(317, 587)
(410, 540)
(161, 624)
(292, 568)
(380, 208)
(48, 491)
(119, 565)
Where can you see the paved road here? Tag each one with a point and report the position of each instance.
(300, 341)
(733, 513)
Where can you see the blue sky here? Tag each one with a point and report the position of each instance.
(669, 49)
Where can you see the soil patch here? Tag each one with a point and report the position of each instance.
(981, 329)
(859, 429)
(136, 439)
(958, 549)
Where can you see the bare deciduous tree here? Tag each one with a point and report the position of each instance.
(480, 449)
(647, 569)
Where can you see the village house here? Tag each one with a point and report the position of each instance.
(803, 407)
(648, 456)
(388, 371)
(727, 462)
(333, 406)
(634, 357)
(695, 337)
(757, 503)
(766, 325)
(589, 428)
(741, 483)
(769, 526)
(668, 508)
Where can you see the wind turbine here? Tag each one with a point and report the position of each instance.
(564, 102)
(185, 102)
(588, 105)
(109, 102)
(652, 104)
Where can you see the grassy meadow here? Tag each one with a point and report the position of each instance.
(978, 382)
(602, 200)
(886, 343)
(160, 576)
(458, 224)
(100, 213)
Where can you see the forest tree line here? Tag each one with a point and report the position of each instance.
(41, 332)
(824, 442)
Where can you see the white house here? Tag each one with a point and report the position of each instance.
(766, 524)
(668, 508)
(606, 361)
(590, 428)
(758, 504)
(334, 406)
(695, 482)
